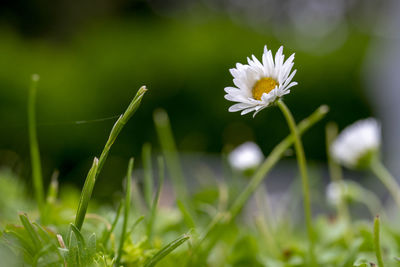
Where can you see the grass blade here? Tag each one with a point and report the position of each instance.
(164, 132)
(119, 124)
(98, 164)
(187, 218)
(80, 243)
(156, 198)
(126, 211)
(107, 232)
(168, 146)
(31, 231)
(34, 146)
(138, 220)
(86, 194)
(148, 174)
(166, 250)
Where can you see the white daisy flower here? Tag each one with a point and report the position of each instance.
(357, 144)
(246, 156)
(260, 84)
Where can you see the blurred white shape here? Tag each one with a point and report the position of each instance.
(357, 143)
(335, 192)
(246, 156)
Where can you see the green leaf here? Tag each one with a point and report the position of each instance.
(77, 246)
(79, 237)
(44, 234)
(166, 250)
(22, 244)
(47, 253)
(31, 231)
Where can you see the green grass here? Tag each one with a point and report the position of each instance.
(205, 225)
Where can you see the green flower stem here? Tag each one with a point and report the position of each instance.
(127, 208)
(386, 178)
(301, 160)
(263, 170)
(377, 245)
(335, 171)
(34, 147)
(119, 124)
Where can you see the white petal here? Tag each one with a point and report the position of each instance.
(238, 107)
(255, 113)
(230, 90)
(287, 81)
(248, 110)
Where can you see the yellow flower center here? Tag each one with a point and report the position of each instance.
(264, 85)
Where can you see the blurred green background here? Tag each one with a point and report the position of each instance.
(92, 56)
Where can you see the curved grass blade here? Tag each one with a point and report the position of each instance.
(166, 250)
(98, 164)
(138, 220)
(119, 124)
(86, 194)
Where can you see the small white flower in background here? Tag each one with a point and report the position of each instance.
(336, 192)
(246, 156)
(357, 144)
(260, 84)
